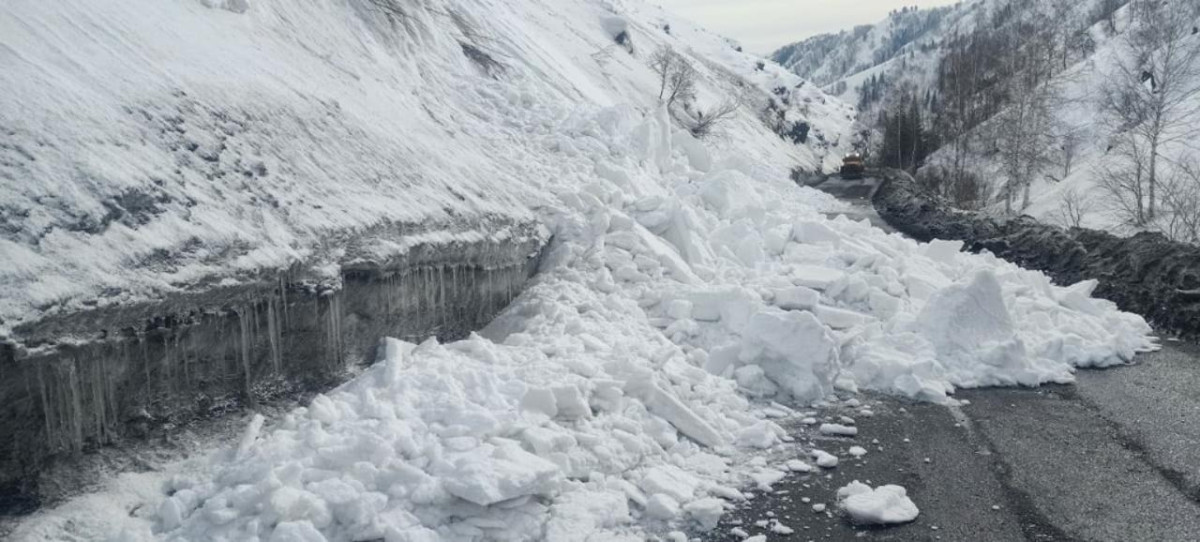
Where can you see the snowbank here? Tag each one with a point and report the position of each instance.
(1147, 273)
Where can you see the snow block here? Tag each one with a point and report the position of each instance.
(658, 401)
(962, 319)
(883, 505)
(840, 318)
(540, 400)
(671, 481)
(571, 403)
(797, 298)
(839, 430)
(731, 194)
(730, 305)
(815, 232)
(1078, 297)
(794, 350)
(942, 251)
(707, 512)
(663, 507)
(498, 472)
(818, 278)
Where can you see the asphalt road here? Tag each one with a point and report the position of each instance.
(1113, 458)
(855, 192)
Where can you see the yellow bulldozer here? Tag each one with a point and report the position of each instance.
(853, 167)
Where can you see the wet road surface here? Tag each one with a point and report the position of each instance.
(1115, 457)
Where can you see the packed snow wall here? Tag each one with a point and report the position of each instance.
(77, 381)
(1147, 274)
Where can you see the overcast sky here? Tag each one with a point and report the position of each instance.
(765, 25)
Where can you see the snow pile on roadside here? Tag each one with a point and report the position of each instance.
(687, 286)
(884, 505)
(614, 395)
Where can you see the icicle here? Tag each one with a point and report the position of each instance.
(47, 413)
(108, 399)
(96, 412)
(454, 314)
(145, 364)
(283, 296)
(184, 359)
(388, 286)
(273, 336)
(334, 331)
(168, 365)
(244, 324)
(442, 304)
(76, 408)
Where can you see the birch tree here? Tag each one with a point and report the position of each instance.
(1153, 92)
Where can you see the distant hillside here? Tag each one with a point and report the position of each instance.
(1039, 107)
(829, 58)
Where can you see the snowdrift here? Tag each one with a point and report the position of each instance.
(1147, 273)
(691, 291)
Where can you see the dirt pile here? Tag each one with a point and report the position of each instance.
(1147, 274)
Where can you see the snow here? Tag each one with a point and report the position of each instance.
(662, 507)
(839, 430)
(690, 290)
(489, 474)
(825, 459)
(706, 512)
(883, 505)
(779, 528)
(796, 465)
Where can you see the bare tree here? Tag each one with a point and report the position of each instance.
(1074, 206)
(1181, 204)
(1152, 91)
(963, 105)
(682, 85)
(1025, 129)
(677, 76)
(1124, 179)
(1070, 140)
(663, 63)
(704, 123)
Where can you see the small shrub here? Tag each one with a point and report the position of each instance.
(704, 124)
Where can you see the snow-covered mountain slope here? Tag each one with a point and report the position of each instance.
(903, 59)
(1085, 142)
(828, 59)
(152, 149)
(690, 290)
(1071, 191)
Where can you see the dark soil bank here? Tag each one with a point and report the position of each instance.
(1146, 274)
